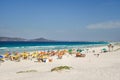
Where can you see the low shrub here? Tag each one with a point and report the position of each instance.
(60, 68)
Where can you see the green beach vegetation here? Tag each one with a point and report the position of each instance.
(26, 71)
(60, 68)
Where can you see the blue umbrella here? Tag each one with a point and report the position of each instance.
(1, 56)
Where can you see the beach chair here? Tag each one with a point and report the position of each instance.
(80, 55)
(50, 60)
(60, 56)
(83, 55)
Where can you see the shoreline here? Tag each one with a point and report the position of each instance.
(46, 48)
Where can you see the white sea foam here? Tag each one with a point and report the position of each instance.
(38, 48)
(3, 48)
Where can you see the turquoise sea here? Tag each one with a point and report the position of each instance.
(37, 46)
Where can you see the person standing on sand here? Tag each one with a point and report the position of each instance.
(112, 47)
(109, 47)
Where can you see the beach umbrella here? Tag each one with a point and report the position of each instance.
(80, 50)
(70, 50)
(104, 50)
(1, 56)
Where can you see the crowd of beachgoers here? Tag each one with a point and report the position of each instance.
(40, 56)
(46, 56)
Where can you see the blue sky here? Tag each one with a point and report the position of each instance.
(76, 20)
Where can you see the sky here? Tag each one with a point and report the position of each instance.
(73, 20)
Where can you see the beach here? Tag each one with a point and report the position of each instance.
(105, 66)
(59, 40)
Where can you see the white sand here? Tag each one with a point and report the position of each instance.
(91, 67)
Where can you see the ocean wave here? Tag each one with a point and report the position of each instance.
(3, 48)
(46, 47)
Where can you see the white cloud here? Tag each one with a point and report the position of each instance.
(105, 25)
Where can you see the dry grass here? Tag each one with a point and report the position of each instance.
(27, 71)
(61, 68)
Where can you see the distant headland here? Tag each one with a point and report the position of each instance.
(41, 39)
(23, 39)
